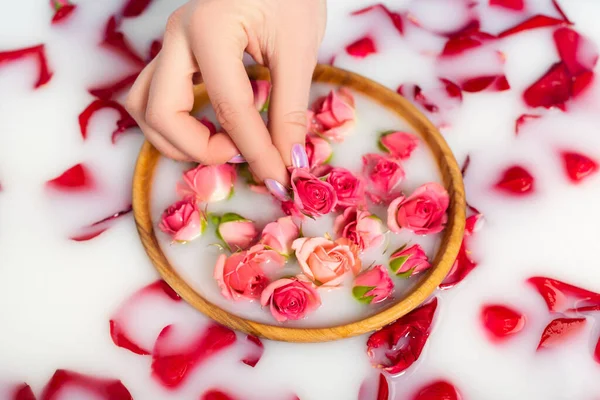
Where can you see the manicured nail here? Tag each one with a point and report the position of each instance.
(277, 189)
(299, 157)
(239, 159)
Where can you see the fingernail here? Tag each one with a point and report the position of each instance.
(277, 189)
(299, 157)
(239, 159)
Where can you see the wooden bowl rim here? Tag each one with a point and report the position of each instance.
(443, 261)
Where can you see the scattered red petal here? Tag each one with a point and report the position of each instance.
(581, 83)
(171, 367)
(515, 5)
(537, 21)
(375, 387)
(362, 47)
(383, 391)
(471, 27)
(134, 8)
(516, 180)
(107, 92)
(39, 51)
(84, 237)
(395, 17)
(578, 166)
(561, 12)
(99, 227)
(109, 389)
(577, 52)
(118, 331)
(597, 352)
(465, 166)
(76, 178)
(123, 123)
(253, 357)
(560, 296)
(460, 44)
(61, 13)
(560, 330)
(397, 346)
(438, 390)
(116, 41)
(214, 394)
(553, 89)
(496, 83)
(155, 48)
(23, 392)
(452, 89)
(501, 321)
(523, 119)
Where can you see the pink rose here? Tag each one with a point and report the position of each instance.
(183, 221)
(349, 189)
(361, 227)
(290, 299)
(235, 231)
(326, 262)
(399, 144)
(312, 196)
(383, 174)
(423, 212)
(242, 275)
(208, 183)
(373, 285)
(261, 90)
(318, 150)
(333, 116)
(279, 235)
(406, 262)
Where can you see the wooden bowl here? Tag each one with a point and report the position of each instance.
(447, 252)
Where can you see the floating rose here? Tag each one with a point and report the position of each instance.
(373, 285)
(406, 262)
(290, 299)
(208, 183)
(423, 212)
(399, 144)
(333, 116)
(312, 196)
(280, 235)
(383, 174)
(235, 231)
(318, 150)
(350, 190)
(242, 275)
(360, 226)
(326, 262)
(183, 221)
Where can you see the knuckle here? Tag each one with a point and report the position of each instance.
(227, 115)
(173, 22)
(295, 119)
(154, 117)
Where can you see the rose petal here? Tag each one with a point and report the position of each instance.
(460, 44)
(463, 264)
(514, 5)
(134, 8)
(110, 90)
(62, 11)
(214, 394)
(117, 42)
(516, 180)
(95, 229)
(155, 48)
(597, 352)
(578, 166)
(257, 349)
(535, 22)
(124, 122)
(501, 321)
(76, 178)
(395, 17)
(560, 296)
(108, 389)
(523, 119)
(362, 47)
(560, 330)
(39, 52)
(577, 52)
(438, 390)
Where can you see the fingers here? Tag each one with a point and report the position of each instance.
(220, 61)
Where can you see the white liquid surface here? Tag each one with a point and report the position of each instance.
(57, 296)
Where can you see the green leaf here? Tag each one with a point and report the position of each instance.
(214, 219)
(328, 159)
(233, 217)
(265, 106)
(397, 263)
(407, 274)
(231, 193)
(359, 293)
(380, 143)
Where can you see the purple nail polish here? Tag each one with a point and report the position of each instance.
(239, 159)
(277, 189)
(299, 157)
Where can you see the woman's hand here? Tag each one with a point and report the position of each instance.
(207, 39)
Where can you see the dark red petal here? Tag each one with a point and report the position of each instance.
(537, 21)
(99, 227)
(522, 120)
(39, 51)
(155, 48)
(559, 330)
(395, 17)
(597, 352)
(108, 91)
(463, 265)
(124, 122)
(23, 392)
(62, 13)
(438, 390)
(134, 8)
(560, 296)
(116, 41)
(109, 389)
(403, 340)
(452, 89)
(120, 339)
(383, 391)
(460, 44)
(501, 321)
(171, 367)
(478, 84)
(255, 353)
(214, 394)
(581, 83)
(465, 166)
(578, 166)
(561, 12)
(515, 5)
(89, 235)
(578, 53)
(76, 178)
(516, 180)
(362, 47)
(553, 89)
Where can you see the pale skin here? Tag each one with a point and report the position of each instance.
(206, 39)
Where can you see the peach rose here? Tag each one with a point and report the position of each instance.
(423, 212)
(290, 298)
(208, 183)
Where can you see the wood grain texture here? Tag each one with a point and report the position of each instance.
(442, 262)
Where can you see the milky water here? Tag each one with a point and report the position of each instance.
(57, 296)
